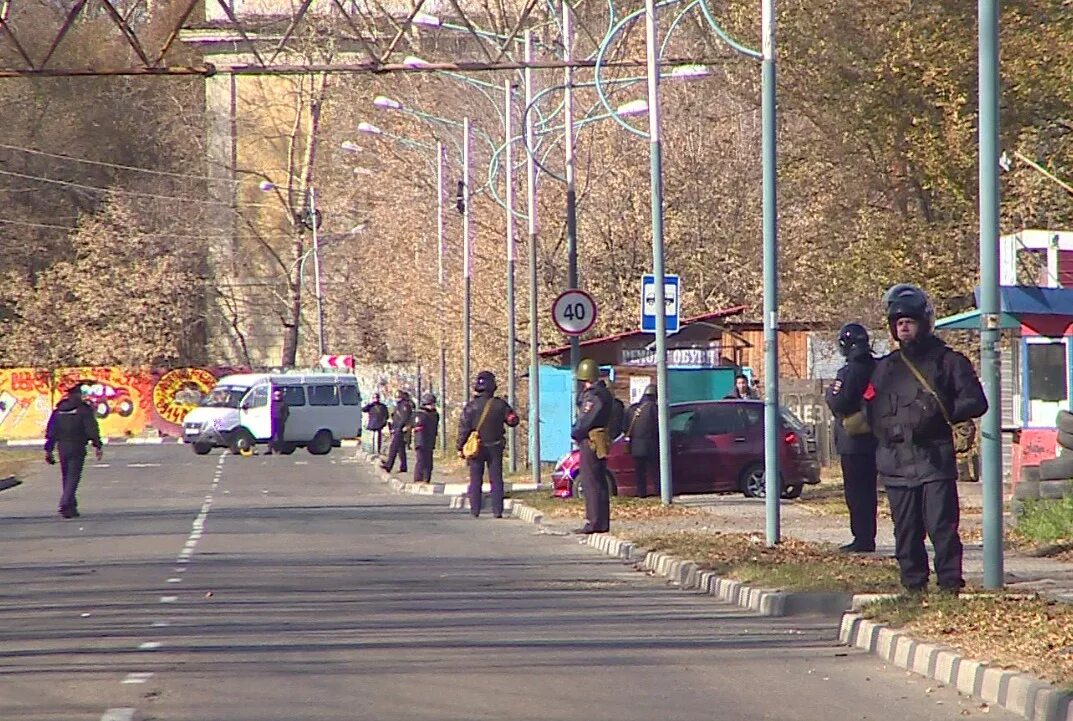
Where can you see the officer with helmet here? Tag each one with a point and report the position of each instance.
(642, 437)
(487, 415)
(426, 428)
(918, 393)
(590, 434)
(854, 441)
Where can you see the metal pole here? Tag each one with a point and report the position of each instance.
(440, 278)
(771, 279)
(534, 326)
(512, 437)
(571, 191)
(316, 270)
(991, 423)
(467, 262)
(666, 490)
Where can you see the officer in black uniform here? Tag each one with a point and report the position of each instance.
(491, 432)
(376, 420)
(402, 421)
(280, 411)
(615, 425)
(70, 427)
(426, 427)
(917, 394)
(590, 434)
(855, 444)
(642, 435)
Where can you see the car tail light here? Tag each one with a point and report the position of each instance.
(790, 438)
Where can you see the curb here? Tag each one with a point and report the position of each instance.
(1019, 693)
(9, 482)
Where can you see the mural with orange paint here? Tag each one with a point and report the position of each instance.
(25, 402)
(121, 397)
(178, 392)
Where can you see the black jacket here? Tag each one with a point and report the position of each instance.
(845, 397)
(402, 418)
(915, 443)
(615, 424)
(594, 405)
(492, 430)
(377, 416)
(426, 427)
(280, 411)
(642, 428)
(73, 423)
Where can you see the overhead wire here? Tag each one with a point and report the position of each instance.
(52, 226)
(119, 166)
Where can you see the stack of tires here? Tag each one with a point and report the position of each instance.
(1060, 468)
(1052, 478)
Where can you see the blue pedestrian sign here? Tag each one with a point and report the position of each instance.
(648, 303)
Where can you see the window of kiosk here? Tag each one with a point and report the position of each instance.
(1046, 380)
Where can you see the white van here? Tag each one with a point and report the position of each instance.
(324, 408)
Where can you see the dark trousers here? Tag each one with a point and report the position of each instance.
(593, 476)
(931, 509)
(397, 448)
(72, 459)
(492, 457)
(423, 463)
(645, 467)
(859, 485)
(378, 440)
(275, 445)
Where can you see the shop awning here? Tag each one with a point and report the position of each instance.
(1019, 303)
(970, 320)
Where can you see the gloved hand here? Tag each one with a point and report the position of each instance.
(99, 453)
(50, 459)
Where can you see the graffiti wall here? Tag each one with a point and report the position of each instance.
(127, 401)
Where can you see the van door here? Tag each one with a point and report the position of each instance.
(257, 412)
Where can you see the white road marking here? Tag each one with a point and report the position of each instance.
(195, 535)
(169, 599)
(97, 465)
(190, 544)
(179, 569)
(175, 580)
(143, 465)
(149, 646)
(85, 615)
(160, 624)
(301, 463)
(119, 714)
(138, 677)
(182, 560)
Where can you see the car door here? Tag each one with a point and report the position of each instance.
(720, 432)
(683, 452)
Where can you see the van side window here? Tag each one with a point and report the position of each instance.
(257, 397)
(323, 395)
(294, 395)
(350, 395)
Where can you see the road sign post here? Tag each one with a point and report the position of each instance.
(671, 287)
(574, 312)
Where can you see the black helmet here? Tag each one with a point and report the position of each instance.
(909, 301)
(852, 337)
(485, 382)
(428, 399)
(650, 390)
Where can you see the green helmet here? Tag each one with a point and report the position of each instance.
(587, 370)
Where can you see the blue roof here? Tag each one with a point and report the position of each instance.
(1016, 301)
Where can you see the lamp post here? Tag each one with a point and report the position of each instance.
(467, 262)
(531, 220)
(571, 190)
(512, 382)
(314, 224)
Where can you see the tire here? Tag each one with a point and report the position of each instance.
(751, 481)
(321, 445)
(1064, 421)
(793, 491)
(101, 409)
(288, 449)
(243, 443)
(202, 449)
(1029, 473)
(1056, 469)
(1065, 439)
(1026, 490)
(1053, 490)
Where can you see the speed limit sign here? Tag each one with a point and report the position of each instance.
(574, 312)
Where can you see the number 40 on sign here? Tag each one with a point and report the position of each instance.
(574, 312)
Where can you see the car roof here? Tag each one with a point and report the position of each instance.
(722, 402)
(250, 379)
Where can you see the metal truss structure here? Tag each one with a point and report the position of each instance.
(38, 38)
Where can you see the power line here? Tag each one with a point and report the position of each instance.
(189, 176)
(48, 226)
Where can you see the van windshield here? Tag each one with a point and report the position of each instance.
(224, 397)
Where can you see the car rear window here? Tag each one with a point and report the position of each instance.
(350, 395)
(323, 395)
(294, 395)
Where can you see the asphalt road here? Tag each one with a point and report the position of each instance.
(297, 588)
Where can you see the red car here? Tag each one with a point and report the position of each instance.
(716, 447)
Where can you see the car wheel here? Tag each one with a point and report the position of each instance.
(793, 491)
(321, 444)
(752, 481)
(288, 449)
(243, 443)
(202, 448)
(102, 410)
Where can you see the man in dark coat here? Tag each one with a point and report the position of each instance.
(426, 428)
(376, 420)
(642, 435)
(280, 411)
(590, 433)
(856, 446)
(70, 427)
(401, 425)
(488, 416)
(918, 394)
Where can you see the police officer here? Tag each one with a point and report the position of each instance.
(590, 433)
(426, 427)
(615, 426)
(918, 393)
(279, 414)
(70, 427)
(375, 421)
(855, 444)
(402, 421)
(642, 435)
(486, 415)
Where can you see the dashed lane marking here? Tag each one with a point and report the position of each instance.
(169, 599)
(149, 646)
(119, 714)
(137, 677)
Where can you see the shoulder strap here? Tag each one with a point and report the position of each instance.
(633, 421)
(484, 414)
(927, 386)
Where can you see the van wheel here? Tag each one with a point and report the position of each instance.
(321, 444)
(288, 449)
(243, 442)
(202, 448)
